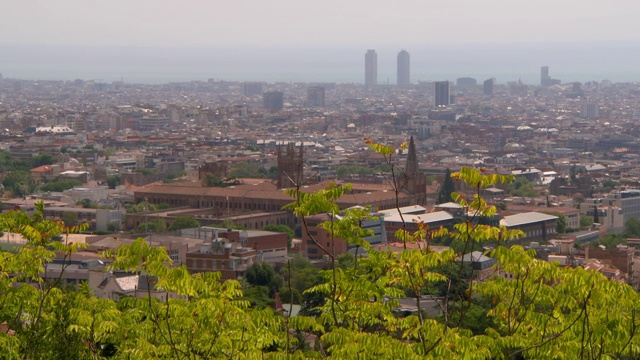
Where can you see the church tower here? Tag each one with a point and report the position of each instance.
(415, 181)
(290, 166)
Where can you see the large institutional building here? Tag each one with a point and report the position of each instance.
(249, 202)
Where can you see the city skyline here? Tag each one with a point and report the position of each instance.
(570, 62)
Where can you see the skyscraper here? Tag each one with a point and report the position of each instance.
(371, 68)
(545, 79)
(442, 93)
(544, 75)
(488, 86)
(404, 68)
(315, 96)
(273, 100)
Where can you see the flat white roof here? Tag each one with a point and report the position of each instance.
(526, 218)
(427, 218)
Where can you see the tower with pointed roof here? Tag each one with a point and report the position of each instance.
(415, 181)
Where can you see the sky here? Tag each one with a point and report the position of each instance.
(156, 36)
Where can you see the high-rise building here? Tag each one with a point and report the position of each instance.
(371, 68)
(252, 88)
(590, 110)
(442, 93)
(488, 86)
(315, 96)
(544, 75)
(273, 100)
(466, 82)
(404, 68)
(545, 79)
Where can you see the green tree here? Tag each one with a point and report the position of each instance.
(264, 275)
(585, 221)
(246, 170)
(184, 222)
(632, 228)
(85, 203)
(522, 187)
(561, 226)
(19, 182)
(596, 218)
(61, 185)
(448, 188)
(113, 181)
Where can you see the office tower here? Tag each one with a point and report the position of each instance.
(590, 110)
(315, 96)
(404, 68)
(488, 86)
(273, 100)
(371, 68)
(466, 82)
(545, 79)
(544, 75)
(252, 88)
(442, 93)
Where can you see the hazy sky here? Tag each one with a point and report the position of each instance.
(362, 23)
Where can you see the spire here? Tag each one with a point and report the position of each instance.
(412, 160)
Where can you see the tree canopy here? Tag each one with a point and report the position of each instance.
(526, 309)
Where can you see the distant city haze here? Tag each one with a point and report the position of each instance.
(615, 61)
(153, 41)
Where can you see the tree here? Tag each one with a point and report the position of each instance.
(539, 311)
(184, 222)
(448, 188)
(19, 182)
(561, 226)
(264, 275)
(632, 228)
(61, 185)
(522, 187)
(113, 181)
(85, 203)
(585, 221)
(596, 218)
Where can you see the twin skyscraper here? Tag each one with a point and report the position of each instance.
(371, 68)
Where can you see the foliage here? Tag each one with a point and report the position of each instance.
(113, 181)
(145, 171)
(585, 221)
(610, 241)
(347, 170)
(242, 170)
(85, 203)
(264, 275)
(61, 185)
(632, 228)
(143, 206)
(528, 308)
(184, 222)
(448, 188)
(216, 180)
(561, 226)
(19, 182)
(522, 187)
